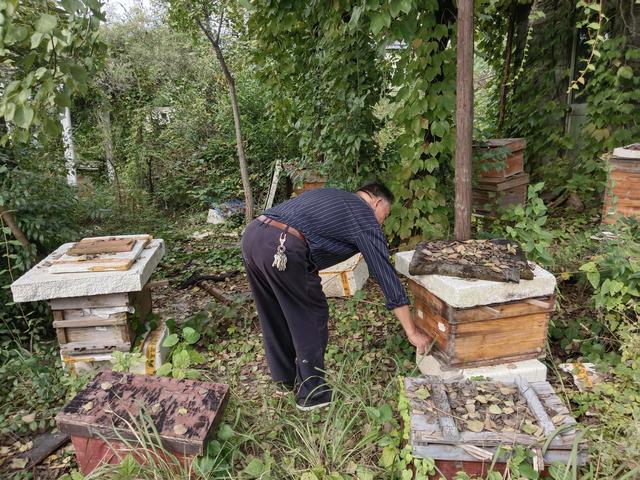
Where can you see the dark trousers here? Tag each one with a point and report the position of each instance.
(291, 306)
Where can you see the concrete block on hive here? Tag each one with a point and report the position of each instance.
(39, 284)
(532, 370)
(345, 278)
(465, 293)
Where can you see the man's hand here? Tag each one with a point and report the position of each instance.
(417, 338)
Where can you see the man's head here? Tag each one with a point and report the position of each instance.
(379, 198)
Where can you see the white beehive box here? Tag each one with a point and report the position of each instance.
(345, 278)
(153, 356)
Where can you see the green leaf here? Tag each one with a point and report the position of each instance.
(190, 335)
(36, 38)
(164, 370)
(15, 34)
(625, 72)
(46, 23)
(225, 432)
(181, 360)
(309, 476)
(23, 116)
(71, 6)
(388, 456)
(171, 340)
(379, 20)
(9, 111)
(254, 469)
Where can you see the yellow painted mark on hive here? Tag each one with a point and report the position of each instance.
(150, 354)
(345, 284)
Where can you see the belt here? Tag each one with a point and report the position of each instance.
(282, 226)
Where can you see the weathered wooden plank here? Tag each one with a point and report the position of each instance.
(57, 317)
(445, 419)
(91, 301)
(91, 322)
(43, 446)
(73, 348)
(88, 246)
(536, 407)
(455, 453)
(103, 263)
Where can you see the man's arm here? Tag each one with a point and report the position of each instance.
(373, 246)
(417, 338)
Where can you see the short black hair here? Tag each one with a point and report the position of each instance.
(377, 189)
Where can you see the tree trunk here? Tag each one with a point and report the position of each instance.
(244, 172)
(10, 222)
(104, 123)
(464, 120)
(69, 150)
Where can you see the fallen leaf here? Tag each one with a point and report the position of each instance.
(508, 410)
(475, 425)
(106, 385)
(18, 463)
(495, 409)
(25, 446)
(155, 408)
(179, 429)
(28, 418)
(4, 450)
(507, 390)
(182, 411)
(529, 428)
(422, 393)
(87, 406)
(558, 418)
(482, 399)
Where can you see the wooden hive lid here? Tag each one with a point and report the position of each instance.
(184, 412)
(434, 432)
(512, 144)
(499, 185)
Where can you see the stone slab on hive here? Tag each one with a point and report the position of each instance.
(466, 293)
(39, 284)
(530, 370)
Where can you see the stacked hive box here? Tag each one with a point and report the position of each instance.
(480, 323)
(95, 299)
(345, 278)
(622, 196)
(503, 186)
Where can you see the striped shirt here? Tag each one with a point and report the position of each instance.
(337, 225)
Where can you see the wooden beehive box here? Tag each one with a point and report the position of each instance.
(444, 425)
(305, 180)
(152, 354)
(345, 278)
(513, 163)
(622, 195)
(98, 418)
(485, 334)
(489, 195)
(98, 323)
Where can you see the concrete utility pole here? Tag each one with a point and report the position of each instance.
(464, 120)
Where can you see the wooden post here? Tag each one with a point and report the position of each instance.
(464, 119)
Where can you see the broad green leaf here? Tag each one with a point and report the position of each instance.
(164, 370)
(225, 432)
(36, 38)
(46, 23)
(181, 360)
(625, 72)
(71, 6)
(23, 116)
(379, 20)
(171, 340)
(254, 469)
(388, 456)
(190, 335)
(15, 34)
(9, 111)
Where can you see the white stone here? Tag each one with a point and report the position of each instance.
(215, 217)
(38, 284)
(466, 293)
(345, 278)
(529, 370)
